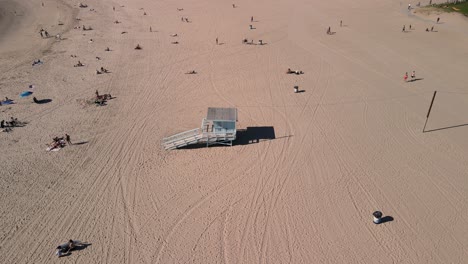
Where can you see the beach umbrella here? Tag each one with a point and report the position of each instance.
(25, 94)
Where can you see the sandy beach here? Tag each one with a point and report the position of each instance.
(308, 169)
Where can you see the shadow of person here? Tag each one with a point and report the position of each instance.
(81, 247)
(81, 143)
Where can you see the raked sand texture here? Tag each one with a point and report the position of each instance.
(349, 144)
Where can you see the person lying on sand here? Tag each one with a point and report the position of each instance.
(294, 72)
(107, 49)
(6, 124)
(104, 70)
(191, 72)
(38, 62)
(65, 248)
(79, 64)
(173, 35)
(175, 42)
(57, 139)
(57, 143)
(138, 47)
(100, 101)
(13, 122)
(98, 72)
(103, 96)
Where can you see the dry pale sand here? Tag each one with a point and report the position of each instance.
(351, 143)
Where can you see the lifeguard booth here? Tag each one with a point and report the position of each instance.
(219, 127)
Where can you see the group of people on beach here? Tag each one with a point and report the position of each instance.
(101, 99)
(60, 142)
(12, 123)
(413, 76)
(44, 33)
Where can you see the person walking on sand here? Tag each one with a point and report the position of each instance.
(438, 19)
(251, 19)
(432, 28)
(67, 138)
(410, 26)
(329, 30)
(404, 28)
(409, 6)
(341, 23)
(405, 78)
(216, 40)
(413, 75)
(113, 8)
(151, 30)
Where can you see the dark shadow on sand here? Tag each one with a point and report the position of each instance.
(417, 79)
(252, 135)
(81, 247)
(386, 219)
(80, 143)
(443, 128)
(43, 101)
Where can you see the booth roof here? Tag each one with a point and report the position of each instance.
(222, 114)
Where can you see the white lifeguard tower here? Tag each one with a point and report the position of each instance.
(219, 127)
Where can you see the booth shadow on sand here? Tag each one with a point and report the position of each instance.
(252, 135)
(247, 136)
